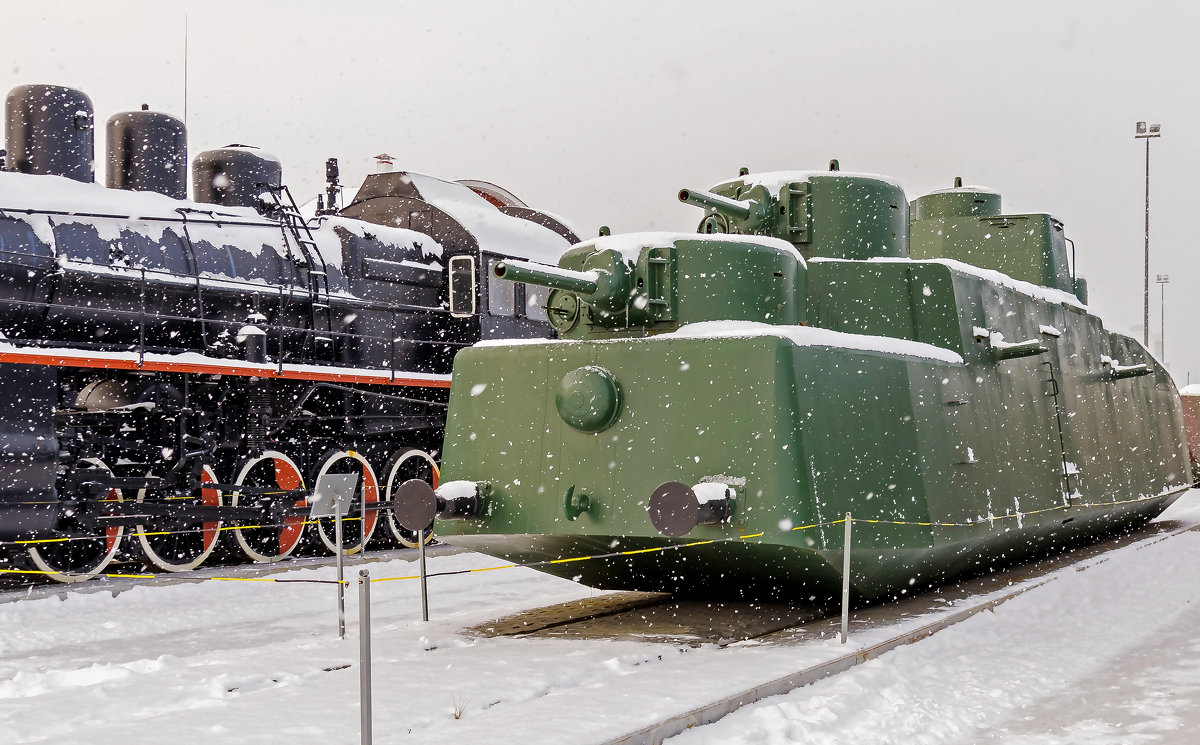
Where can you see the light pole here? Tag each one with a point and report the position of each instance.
(1147, 134)
(1162, 280)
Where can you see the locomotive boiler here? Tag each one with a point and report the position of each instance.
(717, 403)
(175, 371)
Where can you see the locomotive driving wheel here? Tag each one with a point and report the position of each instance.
(86, 546)
(409, 463)
(176, 543)
(268, 477)
(350, 468)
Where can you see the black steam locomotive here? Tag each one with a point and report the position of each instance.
(177, 371)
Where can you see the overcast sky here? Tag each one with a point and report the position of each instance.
(600, 112)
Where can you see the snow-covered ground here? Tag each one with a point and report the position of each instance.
(1096, 656)
(1106, 655)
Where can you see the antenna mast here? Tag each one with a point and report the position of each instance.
(185, 67)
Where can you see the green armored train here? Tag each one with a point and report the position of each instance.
(820, 347)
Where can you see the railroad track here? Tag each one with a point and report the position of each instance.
(656, 617)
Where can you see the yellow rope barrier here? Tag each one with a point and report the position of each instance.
(631, 552)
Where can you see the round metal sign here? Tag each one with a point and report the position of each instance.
(415, 505)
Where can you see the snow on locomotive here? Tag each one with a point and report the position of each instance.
(178, 370)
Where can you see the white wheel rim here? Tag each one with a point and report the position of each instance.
(295, 524)
(325, 527)
(392, 483)
(208, 476)
(113, 535)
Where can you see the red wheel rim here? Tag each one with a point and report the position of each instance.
(368, 486)
(288, 478)
(210, 498)
(271, 475)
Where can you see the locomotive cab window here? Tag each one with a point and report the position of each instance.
(535, 302)
(502, 294)
(462, 286)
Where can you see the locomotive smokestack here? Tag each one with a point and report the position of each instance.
(384, 163)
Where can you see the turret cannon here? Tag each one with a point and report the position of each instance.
(600, 291)
(715, 203)
(530, 272)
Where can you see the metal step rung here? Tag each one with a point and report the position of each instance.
(103, 483)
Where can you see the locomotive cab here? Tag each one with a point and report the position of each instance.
(466, 229)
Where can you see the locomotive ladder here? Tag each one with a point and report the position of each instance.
(314, 262)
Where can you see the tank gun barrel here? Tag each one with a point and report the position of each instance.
(545, 275)
(731, 207)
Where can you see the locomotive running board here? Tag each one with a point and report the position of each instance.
(191, 362)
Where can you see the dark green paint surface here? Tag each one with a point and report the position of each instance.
(866, 412)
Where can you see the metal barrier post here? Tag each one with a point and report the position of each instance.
(846, 580)
(341, 583)
(364, 654)
(424, 590)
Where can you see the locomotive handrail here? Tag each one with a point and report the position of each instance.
(144, 218)
(101, 347)
(18, 341)
(299, 404)
(222, 322)
(10, 252)
(122, 272)
(142, 321)
(187, 240)
(279, 369)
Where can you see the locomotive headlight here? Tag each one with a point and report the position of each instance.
(417, 503)
(676, 508)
